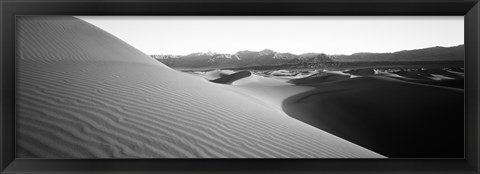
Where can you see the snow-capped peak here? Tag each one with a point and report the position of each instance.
(267, 52)
(202, 54)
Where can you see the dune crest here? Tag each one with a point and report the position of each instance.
(83, 93)
(62, 38)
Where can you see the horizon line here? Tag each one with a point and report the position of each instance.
(214, 52)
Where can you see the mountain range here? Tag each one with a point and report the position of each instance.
(269, 57)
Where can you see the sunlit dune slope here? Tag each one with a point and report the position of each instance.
(82, 93)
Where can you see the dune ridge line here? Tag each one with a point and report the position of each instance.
(83, 93)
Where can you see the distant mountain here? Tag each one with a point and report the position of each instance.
(239, 59)
(426, 54)
(156, 56)
(269, 57)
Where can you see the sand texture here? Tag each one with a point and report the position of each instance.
(400, 113)
(396, 118)
(83, 93)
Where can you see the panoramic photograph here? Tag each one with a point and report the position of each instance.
(240, 87)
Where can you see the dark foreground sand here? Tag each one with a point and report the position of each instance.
(392, 117)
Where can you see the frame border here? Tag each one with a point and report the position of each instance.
(470, 9)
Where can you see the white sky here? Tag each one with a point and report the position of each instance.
(322, 34)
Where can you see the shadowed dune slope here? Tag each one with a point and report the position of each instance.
(229, 79)
(388, 116)
(361, 72)
(427, 77)
(451, 83)
(216, 74)
(82, 93)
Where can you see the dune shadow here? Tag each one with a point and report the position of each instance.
(229, 79)
(390, 117)
(453, 83)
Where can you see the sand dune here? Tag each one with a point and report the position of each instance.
(435, 77)
(305, 74)
(393, 117)
(228, 79)
(320, 77)
(374, 111)
(283, 73)
(438, 82)
(82, 93)
(361, 72)
(216, 74)
(256, 80)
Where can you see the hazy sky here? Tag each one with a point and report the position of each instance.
(322, 34)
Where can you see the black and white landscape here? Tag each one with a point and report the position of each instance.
(410, 104)
(83, 93)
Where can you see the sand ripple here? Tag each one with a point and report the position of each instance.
(82, 93)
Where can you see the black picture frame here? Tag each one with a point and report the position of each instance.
(470, 9)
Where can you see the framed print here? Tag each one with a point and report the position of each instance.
(251, 86)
